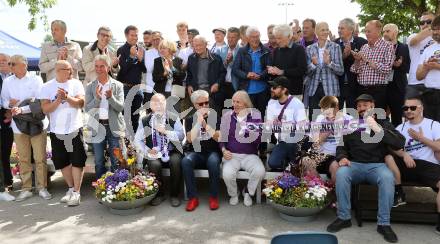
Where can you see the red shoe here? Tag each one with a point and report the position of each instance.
(192, 204)
(213, 203)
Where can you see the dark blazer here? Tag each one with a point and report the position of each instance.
(131, 69)
(356, 45)
(294, 63)
(243, 65)
(160, 80)
(400, 72)
(216, 70)
(3, 111)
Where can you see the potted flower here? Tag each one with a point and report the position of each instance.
(127, 190)
(299, 193)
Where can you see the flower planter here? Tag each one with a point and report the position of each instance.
(293, 214)
(128, 207)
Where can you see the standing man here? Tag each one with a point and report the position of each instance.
(62, 99)
(147, 35)
(397, 81)
(220, 48)
(131, 61)
(308, 31)
(231, 82)
(182, 32)
(429, 72)
(105, 103)
(361, 160)
(272, 42)
(150, 56)
(6, 134)
(251, 68)
(59, 49)
(348, 82)
(417, 43)
(184, 53)
(206, 72)
(99, 47)
(373, 64)
(30, 136)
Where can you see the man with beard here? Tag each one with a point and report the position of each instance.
(429, 72)
(284, 109)
(362, 160)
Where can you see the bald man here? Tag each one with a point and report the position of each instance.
(397, 81)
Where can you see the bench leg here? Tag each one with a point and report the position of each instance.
(357, 205)
(185, 196)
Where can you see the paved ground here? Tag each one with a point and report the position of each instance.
(40, 221)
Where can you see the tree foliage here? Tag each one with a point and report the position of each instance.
(36, 9)
(403, 13)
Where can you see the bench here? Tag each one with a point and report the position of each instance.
(364, 204)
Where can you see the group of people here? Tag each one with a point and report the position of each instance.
(187, 105)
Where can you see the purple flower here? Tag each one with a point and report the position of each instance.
(288, 181)
(120, 175)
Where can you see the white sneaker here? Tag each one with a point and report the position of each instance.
(247, 199)
(23, 196)
(66, 198)
(5, 196)
(75, 199)
(233, 200)
(43, 193)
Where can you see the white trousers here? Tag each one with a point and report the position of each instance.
(251, 163)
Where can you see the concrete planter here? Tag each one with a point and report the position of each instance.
(128, 207)
(292, 214)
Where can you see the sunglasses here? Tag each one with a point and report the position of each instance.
(423, 22)
(203, 104)
(412, 108)
(12, 64)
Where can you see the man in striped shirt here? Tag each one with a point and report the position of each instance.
(373, 63)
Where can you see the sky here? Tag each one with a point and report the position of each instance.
(84, 17)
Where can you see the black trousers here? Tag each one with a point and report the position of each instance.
(378, 92)
(395, 100)
(260, 100)
(431, 104)
(155, 166)
(136, 103)
(348, 94)
(314, 101)
(7, 139)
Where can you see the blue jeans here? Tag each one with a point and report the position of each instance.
(373, 173)
(281, 152)
(209, 160)
(99, 149)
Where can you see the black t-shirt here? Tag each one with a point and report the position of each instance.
(209, 145)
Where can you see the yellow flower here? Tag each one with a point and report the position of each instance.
(130, 161)
(279, 191)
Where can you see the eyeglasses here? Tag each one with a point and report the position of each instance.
(423, 22)
(412, 108)
(203, 104)
(12, 64)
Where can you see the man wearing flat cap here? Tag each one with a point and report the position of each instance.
(361, 159)
(283, 109)
(220, 47)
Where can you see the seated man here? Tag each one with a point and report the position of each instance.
(284, 108)
(417, 161)
(239, 145)
(203, 135)
(157, 138)
(361, 158)
(327, 141)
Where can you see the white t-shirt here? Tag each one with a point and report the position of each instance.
(150, 56)
(294, 113)
(332, 141)
(414, 53)
(417, 150)
(103, 106)
(65, 119)
(21, 89)
(432, 79)
(184, 54)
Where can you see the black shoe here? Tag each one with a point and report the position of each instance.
(399, 199)
(387, 232)
(338, 225)
(157, 200)
(437, 229)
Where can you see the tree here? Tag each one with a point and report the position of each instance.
(36, 9)
(403, 13)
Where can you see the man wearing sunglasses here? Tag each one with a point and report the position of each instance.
(418, 161)
(428, 72)
(417, 43)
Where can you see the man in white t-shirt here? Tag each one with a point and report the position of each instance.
(286, 110)
(417, 43)
(428, 71)
(16, 91)
(62, 99)
(419, 161)
(328, 140)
